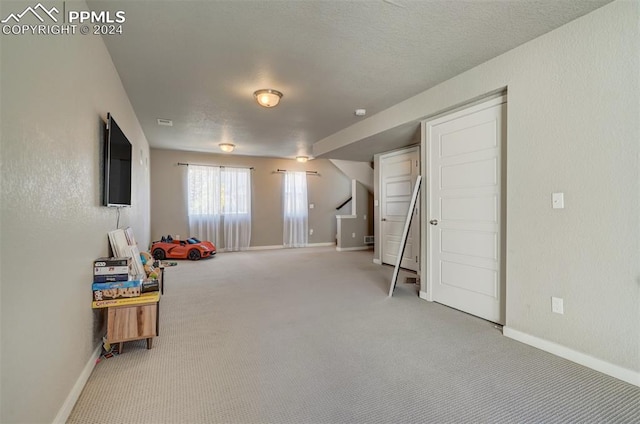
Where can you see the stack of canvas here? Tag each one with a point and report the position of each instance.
(124, 245)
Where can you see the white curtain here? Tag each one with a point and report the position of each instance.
(236, 195)
(296, 214)
(219, 205)
(204, 203)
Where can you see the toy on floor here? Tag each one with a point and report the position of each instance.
(108, 351)
(191, 248)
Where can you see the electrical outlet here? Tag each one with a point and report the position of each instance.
(557, 305)
(557, 200)
(353, 235)
(311, 232)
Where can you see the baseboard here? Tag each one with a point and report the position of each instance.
(616, 371)
(72, 398)
(350, 249)
(424, 295)
(377, 261)
(280, 246)
(277, 246)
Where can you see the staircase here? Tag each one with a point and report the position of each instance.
(353, 227)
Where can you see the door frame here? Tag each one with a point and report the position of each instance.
(426, 284)
(418, 233)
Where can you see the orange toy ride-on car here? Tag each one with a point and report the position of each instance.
(191, 248)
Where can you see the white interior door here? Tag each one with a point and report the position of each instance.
(398, 174)
(464, 209)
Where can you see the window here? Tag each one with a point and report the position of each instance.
(295, 209)
(219, 205)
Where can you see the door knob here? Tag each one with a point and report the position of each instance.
(384, 219)
(433, 222)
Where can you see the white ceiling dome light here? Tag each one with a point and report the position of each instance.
(227, 147)
(268, 97)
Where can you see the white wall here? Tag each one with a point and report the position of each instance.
(573, 127)
(56, 92)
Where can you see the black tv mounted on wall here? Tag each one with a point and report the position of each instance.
(117, 166)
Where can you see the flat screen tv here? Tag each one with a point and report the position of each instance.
(117, 166)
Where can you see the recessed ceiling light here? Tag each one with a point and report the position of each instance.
(165, 122)
(227, 147)
(267, 97)
(361, 112)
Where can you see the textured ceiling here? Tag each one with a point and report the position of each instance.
(198, 63)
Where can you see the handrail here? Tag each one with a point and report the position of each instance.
(344, 203)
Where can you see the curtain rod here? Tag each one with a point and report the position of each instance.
(215, 166)
(308, 172)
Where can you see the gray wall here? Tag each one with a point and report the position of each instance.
(574, 127)
(56, 92)
(326, 192)
(355, 226)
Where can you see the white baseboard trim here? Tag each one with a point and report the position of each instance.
(280, 246)
(377, 261)
(327, 244)
(350, 249)
(277, 246)
(616, 371)
(424, 295)
(72, 398)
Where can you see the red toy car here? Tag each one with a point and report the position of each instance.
(192, 248)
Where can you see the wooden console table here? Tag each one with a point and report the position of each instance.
(132, 318)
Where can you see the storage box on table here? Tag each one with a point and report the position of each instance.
(117, 289)
(109, 262)
(111, 269)
(143, 299)
(113, 278)
(149, 285)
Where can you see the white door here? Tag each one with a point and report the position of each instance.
(464, 209)
(398, 174)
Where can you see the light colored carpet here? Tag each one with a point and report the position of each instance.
(310, 336)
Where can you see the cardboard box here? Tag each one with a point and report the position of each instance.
(117, 290)
(111, 277)
(150, 286)
(108, 262)
(109, 270)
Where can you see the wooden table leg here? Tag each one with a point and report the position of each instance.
(149, 342)
(120, 346)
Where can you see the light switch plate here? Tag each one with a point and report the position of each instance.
(557, 200)
(557, 305)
